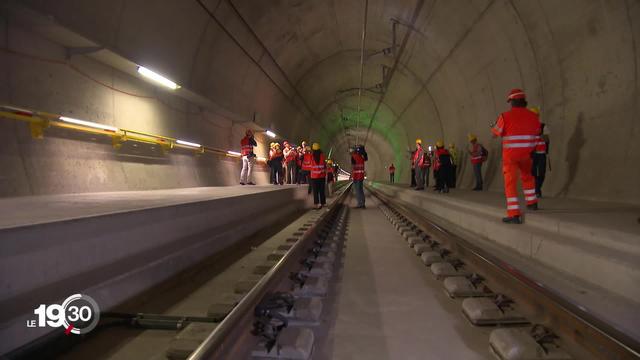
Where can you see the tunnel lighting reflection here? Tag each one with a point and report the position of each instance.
(157, 78)
(234, 153)
(187, 143)
(88, 123)
(270, 133)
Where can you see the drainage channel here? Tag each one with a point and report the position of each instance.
(531, 321)
(279, 316)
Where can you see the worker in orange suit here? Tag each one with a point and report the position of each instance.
(520, 132)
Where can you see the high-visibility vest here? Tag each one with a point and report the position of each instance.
(291, 155)
(541, 146)
(318, 169)
(520, 131)
(306, 161)
(421, 159)
(357, 169)
(476, 154)
(246, 147)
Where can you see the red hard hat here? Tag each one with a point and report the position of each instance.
(285, 143)
(516, 94)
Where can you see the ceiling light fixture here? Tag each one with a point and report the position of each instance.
(157, 78)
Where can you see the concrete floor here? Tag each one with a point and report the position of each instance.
(31, 210)
(598, 248)
(387, 305)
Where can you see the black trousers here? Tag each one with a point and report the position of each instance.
(392, 178)
(413, 177)
(452, 182)
(277, 172)
(319, 196)
(539, 170)
(443, 177)
(477, 173)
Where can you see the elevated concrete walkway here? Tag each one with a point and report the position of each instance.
(587, 251)
(112, 246)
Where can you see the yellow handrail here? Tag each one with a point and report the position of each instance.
(39, 121)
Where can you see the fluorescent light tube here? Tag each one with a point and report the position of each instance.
(270, 133)
(157, 78)
(88, 123)
(187, 143)
(234, 153)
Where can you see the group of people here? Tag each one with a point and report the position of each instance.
(443, 161)
(524, 151)
(302, 164)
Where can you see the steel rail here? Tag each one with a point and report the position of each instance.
(233, 333)
(571, 321)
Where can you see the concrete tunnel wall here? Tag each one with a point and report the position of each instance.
(576, 59)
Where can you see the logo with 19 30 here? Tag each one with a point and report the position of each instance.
(78, 314)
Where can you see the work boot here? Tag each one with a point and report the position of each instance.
(533, 207)
(242, 183)
(250, 183)
(512, 220)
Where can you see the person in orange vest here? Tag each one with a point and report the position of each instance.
(299, 156)
(276, 158)
(520, 132)
(248, 158)
(331, 176)
(358, 158)
(478, 156)
(421, 163)
(392, 173)
(306, 165)
(539, 167)
(317, 174)
(442, 166)
(290, 168)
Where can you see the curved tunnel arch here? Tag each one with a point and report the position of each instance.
(452, 78)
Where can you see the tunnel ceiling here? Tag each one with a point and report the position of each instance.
(576, 59)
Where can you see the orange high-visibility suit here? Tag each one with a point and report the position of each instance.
(519, 129)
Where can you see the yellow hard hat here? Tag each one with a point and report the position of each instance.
(471, 137)
(276, 145)
(439, 143)
(315, 146)
(535, 110)
(272, 144)
(329, 161)
(419, 141)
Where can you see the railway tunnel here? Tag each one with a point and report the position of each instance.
(120, 129)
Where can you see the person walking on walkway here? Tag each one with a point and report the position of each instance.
(317, 176)
(442, 165)
(358, 158)
(478, 156)
(520, 132)
(421, 163)
(290, 168)
(453, 151)
(331, 177)
(392, 173)
(248, 158)
(539, 169)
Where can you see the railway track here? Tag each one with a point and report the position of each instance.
(528, 315)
